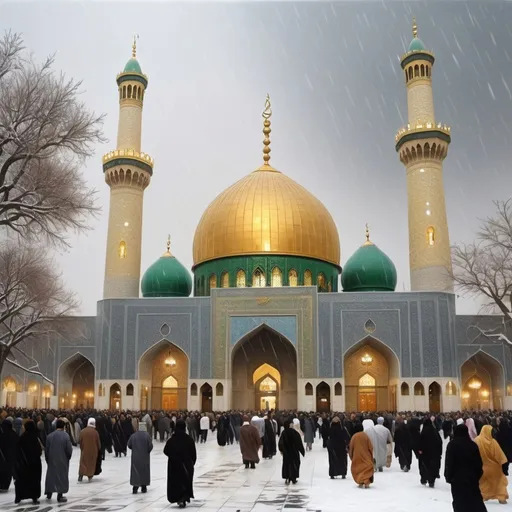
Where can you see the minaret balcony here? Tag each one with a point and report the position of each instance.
(128, 157)
(422, 131)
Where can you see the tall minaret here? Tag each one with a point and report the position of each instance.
(127, 172)
(422, 146)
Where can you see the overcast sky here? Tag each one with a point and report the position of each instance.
(338, 98)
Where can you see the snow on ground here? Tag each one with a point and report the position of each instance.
(221, 483)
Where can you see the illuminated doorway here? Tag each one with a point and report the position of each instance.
(323, 397)
(206, 398)
(76, 383)
(266, 391)
(169, 393)
(367, 395)
(115, 397)
(434, 397)
(9, 390)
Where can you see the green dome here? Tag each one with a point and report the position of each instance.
(416, 45)
(133, 66)
(369, 270)
(167, 277)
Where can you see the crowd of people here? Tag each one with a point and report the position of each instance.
(476, 459)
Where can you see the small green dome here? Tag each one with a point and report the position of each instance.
(167, 277)
(369, 270)
(133, 66)
(416, 45)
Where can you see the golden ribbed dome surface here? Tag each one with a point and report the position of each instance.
(266, 213)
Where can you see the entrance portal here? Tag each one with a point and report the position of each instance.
(163, 370)
(206, 397)
(371, 376)
(76, 383)
(483, 383)
(323, 397)
(264, 371)
(115, 397)
(434, 397)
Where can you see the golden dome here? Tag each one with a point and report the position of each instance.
(266, 212)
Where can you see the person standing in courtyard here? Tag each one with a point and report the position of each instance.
(90, 448)
(385, 441)
(361, 455)
(140, 469)
(403, 445)
(269, 439)
(463, 469)
(204, 425)
(337, 446)
(493, 483)
(8, 444)
(291, 446)
(58, 452)
(430, 452)
(250, 442)
(28, 468)
(181, 452)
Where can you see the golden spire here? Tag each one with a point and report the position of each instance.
(267, 114)
(168, 252)
(414, 27)
(367, 233)
(134, 46)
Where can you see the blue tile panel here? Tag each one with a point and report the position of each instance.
(283, 324)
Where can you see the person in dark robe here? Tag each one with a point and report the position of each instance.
(119, 439)
(414, 426)
(127, 426)
(403, 445)
(504, 438)
(337, 446)
(430, 452)
(222, 434)
(8, 444)
(141, 445)
(250, 442)
(58, 452)
(181, 452)
(290, 446)
(269, 440)
(90, 451)
(447, 427)
(324, 430)
(27, 467)
(463, 469)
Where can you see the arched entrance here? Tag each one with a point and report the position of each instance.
(434, 397)
(33, 392)
(483, 382)
(9, 386)
(206, 397)
(264, 371)
(323, 397)
(76, 383)
(115, 397)
(163, 375)
(372, 375)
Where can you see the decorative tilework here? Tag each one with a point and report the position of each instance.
(283, 324)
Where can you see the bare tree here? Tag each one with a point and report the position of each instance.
(33, 299)
(46, 133)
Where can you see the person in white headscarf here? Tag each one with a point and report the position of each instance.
(385, 440)
(296, 425)
(460, 421)
(379, 448)
(259, 423)
(470, 423)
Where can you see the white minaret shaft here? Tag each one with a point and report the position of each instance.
(128, 172)
(422, 146)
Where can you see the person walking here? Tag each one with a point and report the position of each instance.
(28, 468)
(337, 447)
(181, 452)
(291, 446)
(463, 469)
(361, 455)
(141, 445)
(430, 452)
(403, 445)
(8, 444)
(58, 452)
(90, 449)
(204, 425)
(250, 442)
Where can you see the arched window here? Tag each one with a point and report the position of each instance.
(224, 280)
(406, 77)
(419, 389)
(431, 236)
(451, 388)
(240, 279)
(122, 250)
(101, 390)
(213, 281)
(427, 70)
(293, 278)
(129, 91)
(124, 92)
(129, 390)
(277, 277)
(416, 70)
(258, 279)
(422, 70)
(219, 389)
(309, 389)
(367, 381)
(170, 383)
(320, 281)
(410, 73)
(404, 389)
(308, 278)
(193, 389)
(337, 389)
(139, 93)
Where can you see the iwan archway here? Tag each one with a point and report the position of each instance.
(76, 383)
(372, 375)
(164, 370)
(483, 382)
(264, 371)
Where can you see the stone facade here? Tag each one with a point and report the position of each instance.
(417, 334)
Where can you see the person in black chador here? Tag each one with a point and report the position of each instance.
(290, 445)
(430, 450)
(447, 428)
(337, 446)
(222, 430)
(27, 466)
(403, 445)
(8, 443)
(181, 451)
(463, 469)
(324, 430)
(269, 440)
(504, 438)
(119, 439)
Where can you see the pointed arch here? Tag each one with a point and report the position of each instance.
(308, 389)
(451, 388)
(224, 280)
(213, 281)
(193, 389)
(240, 279)
(308, 278)
(75, 377)
(219, 389)
(323, 397)
(435, 396)
(129, 389)
(404, 389)
(293, 278)
(419, 389)
(277, 277)
(338, 389)
(115, 397)
(259, 279)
